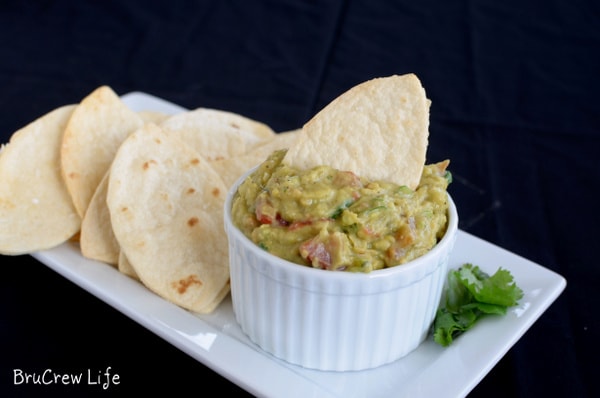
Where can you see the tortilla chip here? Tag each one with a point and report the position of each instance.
(231, 169)
(217, 134)
(97, 240)
(153, 116)
(235, 120)
(166, 207)
(96, 129)
(36, 211)
(125, 267)
(377, 129)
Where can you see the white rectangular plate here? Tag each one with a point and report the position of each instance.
(216, 340)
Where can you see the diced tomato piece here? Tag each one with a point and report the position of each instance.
(263, 219)
(404, 237)
(316, 253)
(281, 221)
(264, 211)
(368, 231)
(347, 179)
(299, 224)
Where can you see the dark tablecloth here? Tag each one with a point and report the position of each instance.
(514, 85)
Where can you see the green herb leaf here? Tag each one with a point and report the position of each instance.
(338, 212)
(448, 177)
(470, 295)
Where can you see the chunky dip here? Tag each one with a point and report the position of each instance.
(336, 220)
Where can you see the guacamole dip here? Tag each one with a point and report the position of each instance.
(335, 220)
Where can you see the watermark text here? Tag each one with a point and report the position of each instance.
(102, 378)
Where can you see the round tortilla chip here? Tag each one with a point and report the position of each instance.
(235, 120)
(166, 208)
(96, 129)
(153, 116)
(36, 211)
(217, 134)
(124, 266)
(378, 129)
(97, 240)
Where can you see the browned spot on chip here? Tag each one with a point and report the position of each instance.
(7, 204)
(216, 191)
(73, 175)
(193, 221)
(191, 191)
(124, 209)
(234, 125)
(158, 141)
(195, 161)
(219, 158)
(182, 285)
(147, 164)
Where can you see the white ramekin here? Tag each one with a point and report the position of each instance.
(330, 320)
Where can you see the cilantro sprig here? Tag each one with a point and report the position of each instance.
(470, 295)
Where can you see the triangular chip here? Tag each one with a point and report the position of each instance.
(36, 211)
(166, 207)
(97, 240)
(96, 129)
(377, 129)
(124, 266)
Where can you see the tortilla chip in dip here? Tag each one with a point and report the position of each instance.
(36, 211)
(377, 129)
(166, 208)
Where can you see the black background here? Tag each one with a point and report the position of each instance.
(515, 88)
